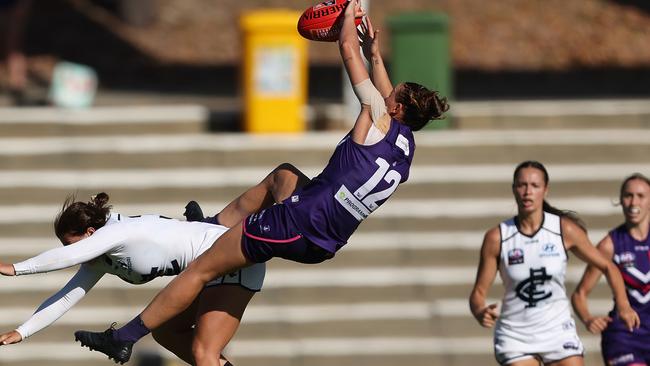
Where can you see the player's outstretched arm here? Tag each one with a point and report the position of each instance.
(349, 46)
(55, 306)
(369, 37)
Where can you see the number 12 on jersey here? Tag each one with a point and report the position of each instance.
(363, 201)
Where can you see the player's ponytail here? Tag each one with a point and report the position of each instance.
(420, 105)
(547, 207)
(76, 217)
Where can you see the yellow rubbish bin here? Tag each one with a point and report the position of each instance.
(275, 72)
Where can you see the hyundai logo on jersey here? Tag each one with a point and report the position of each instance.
(549, 250)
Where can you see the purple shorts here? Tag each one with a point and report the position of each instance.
(272, 233)
(622, 348)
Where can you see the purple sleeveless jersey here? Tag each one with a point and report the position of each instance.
(632, 258)
(356, 181)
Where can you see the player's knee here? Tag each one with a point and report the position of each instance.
(285, 170)
(204, 352)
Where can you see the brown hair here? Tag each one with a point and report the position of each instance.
(76, 217)
(571, 215)
(420, 105)
(631, 177)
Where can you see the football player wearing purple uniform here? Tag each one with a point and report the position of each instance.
(628, 246)
(310, 222)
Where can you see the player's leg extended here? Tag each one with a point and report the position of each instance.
(275, 188)
(219, 314)
(177, 333)
(223, 257)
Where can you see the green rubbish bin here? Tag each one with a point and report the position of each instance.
(420, 53)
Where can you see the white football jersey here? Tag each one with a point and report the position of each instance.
(135, 248)
(535, 318)
(532, 269)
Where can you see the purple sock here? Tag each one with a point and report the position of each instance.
(212, 220)
(132, 331)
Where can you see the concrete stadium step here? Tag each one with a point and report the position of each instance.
(21, 195)
(209, 184)
(596, 208)
(552, 114)
(404, 224)
(228, 150)
(399, 214)
(102, 121)
(407, 224)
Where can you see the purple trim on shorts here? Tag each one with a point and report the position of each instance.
(273, 241)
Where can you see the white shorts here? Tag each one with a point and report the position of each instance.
(251, 278)
(560, 343)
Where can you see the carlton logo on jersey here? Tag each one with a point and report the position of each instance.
(529, 290)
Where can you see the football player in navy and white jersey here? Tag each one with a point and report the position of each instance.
(311, 224)
(628, 246)
(530, 252)
(139, 249)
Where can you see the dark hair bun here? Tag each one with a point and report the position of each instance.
(436, 105)
(99, 200)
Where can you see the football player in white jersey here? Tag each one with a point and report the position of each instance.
(139, 249)
(628, 246)
(530, 252)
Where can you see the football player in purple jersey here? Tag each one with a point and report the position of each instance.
(311, 223)
(628, 245)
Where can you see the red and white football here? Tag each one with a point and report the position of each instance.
(323, 22)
